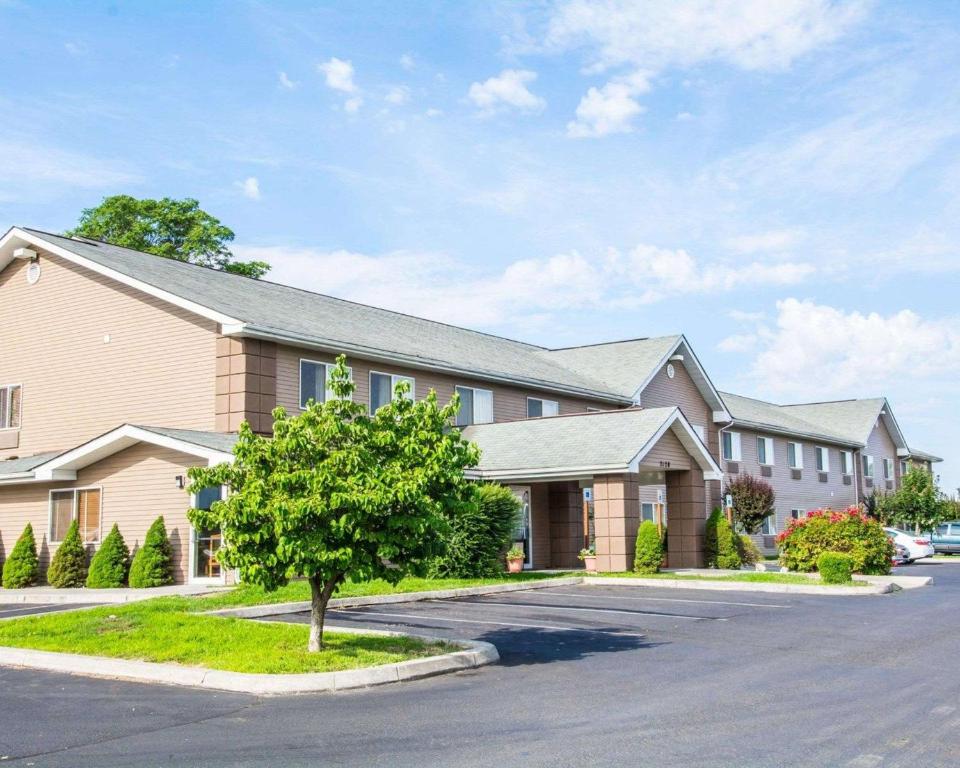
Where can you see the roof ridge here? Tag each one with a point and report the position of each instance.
(834, 402)
(605, 412)
(615, 341)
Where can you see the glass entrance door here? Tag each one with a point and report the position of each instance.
(523, 534)
(206, 542)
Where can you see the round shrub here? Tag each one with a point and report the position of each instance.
(68, 568)
(109, 565)
(749, 552)
(649, 553)
(720, 544)
(22, 568)
(479, 535)
(835, 567)
(825, 530)
(152, 566)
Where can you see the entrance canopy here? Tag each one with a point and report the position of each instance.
(586, 444)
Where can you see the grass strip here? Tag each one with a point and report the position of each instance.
(751, 577)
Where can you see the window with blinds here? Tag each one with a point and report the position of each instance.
(10, 406)
(80, 504)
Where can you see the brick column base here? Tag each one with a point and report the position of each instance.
(686, 519)
(616, 517)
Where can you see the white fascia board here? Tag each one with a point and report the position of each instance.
(721, 417)
(548, 473)
(711, 395)
(18, 234)
(903, 452)
(890, 420)
(117, 440)
(690, 440)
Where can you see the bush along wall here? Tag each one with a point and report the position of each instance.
(22, 568)
(69, 565)
(152, 566)
(649, 553)
(109, 566)
(721, 544)
(824, 530)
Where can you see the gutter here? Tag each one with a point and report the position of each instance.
(760, 427)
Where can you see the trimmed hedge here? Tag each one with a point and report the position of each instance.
(649, 553)
(824, 530)
(835, 567)
(749, 552)
(22, 568)
(720, 543)
(110, 563)
(479, 535)
(152, 566)
(68, 568)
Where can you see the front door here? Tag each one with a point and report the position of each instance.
(523, 533)
(204, 543)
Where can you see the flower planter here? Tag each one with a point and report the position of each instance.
(514, 566)
(590, 563)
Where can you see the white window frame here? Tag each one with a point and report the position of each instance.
(395, 378)
(888, 470)
(736, 452)
(770, 522)
(797, 455)
(474, 414)
(824, 453)
(797, 514)
(653, 511)
(10, 388)
(73, 516)
(904, 467)
(768, 460)
(327, 393)
(192, 550)
(868, 463)
(543, 401)
(846, 462)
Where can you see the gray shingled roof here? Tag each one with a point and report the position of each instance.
(622, 365)
(855, 418)
(759, 413)
(296, 315)
(215, 441)
(607, 439)
(25, 463)
(923, 455)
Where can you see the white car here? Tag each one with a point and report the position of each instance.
(918, 547)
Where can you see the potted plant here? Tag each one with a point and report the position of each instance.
(589, 557)
(515, 558)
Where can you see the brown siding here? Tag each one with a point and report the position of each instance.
(157, 369)
(138, 485)
(566, 524)
(509, 403)
(668, 452)
(540, 525)
(880, 445)
(246, 384)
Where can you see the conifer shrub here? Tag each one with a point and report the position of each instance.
(152, 566)
(835, 567)
(649, 552)
(22, 568)
(68, 569)
(109, 566)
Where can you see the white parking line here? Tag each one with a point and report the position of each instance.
(594, 610)
(431, 617)
(667, 600)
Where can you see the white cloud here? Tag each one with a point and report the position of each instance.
(433, 112)
(610, 109)
(772, 240)
(286, 82)
(432, 284)
(684, 117)
(338, 74)
(738, 342)
(353, 104)
(508, 89)
(813, 350)
(250, 187)
(408, 62)
(398, 95)
(742, 316)
(75, 49)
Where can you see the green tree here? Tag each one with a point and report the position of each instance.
(339, 494)
(649, 551)
(152, 566)
(917, 503)
(109, 565)
(479, 534)
(69, 565)
(175, 229)
(22, 568)
(720, 543)
(753, 501)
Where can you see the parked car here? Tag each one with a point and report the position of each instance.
(901, 556)
(946, 538)
(918, 547)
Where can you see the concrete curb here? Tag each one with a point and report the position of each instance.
(474, 654)
(739, 586)
(84, 596)
(276, 609)
(904, 582)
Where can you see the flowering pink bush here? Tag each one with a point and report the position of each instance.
(827, 530)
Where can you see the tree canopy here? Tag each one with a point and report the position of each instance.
(175, 229)
(339, 494)
(918, 502)
(753, 501)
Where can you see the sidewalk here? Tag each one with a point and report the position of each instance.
(82, 595)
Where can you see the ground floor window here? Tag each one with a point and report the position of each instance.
(646, 511)
(206, 541)
(769, 527)
(80, 504)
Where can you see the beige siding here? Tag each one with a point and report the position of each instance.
(157, 369)
(509, 403)
(138, 484)
(667, 453)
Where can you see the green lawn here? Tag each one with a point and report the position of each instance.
(299, 591)
(748, 576)
(165, 630)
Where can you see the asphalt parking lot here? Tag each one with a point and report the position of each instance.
(589, 676)
(13, 610)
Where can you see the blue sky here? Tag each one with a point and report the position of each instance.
(778, 181)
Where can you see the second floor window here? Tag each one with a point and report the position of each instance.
(315, 382)
(476, 406)
(538, 407)
(823, 459)
(867, 465)
(731, 446)
(382, 386)
(10, 406)
(765, 450)
(846, 462)
(795, 455)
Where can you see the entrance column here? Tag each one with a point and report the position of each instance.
(686, 519)
(616, 517)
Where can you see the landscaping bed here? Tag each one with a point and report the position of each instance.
(168, 630)
(755, 577)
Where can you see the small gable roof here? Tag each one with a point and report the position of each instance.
(853, 418)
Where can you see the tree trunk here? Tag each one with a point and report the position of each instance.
(320, 593)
